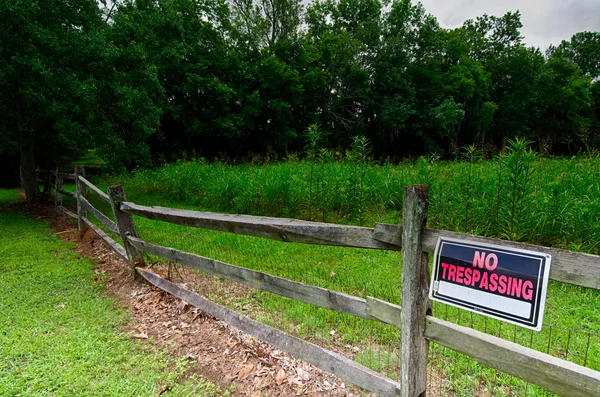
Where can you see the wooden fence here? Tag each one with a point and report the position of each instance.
(418, 328)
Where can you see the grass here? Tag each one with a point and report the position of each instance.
(60, 334)
(8, 196)
(553, 202)
(556, 202)
(90, 160)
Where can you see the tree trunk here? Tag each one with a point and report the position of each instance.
(28, 173)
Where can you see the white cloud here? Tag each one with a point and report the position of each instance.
(545, 22)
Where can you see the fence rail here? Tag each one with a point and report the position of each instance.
(319, 357)
(110, 225)
(67, 212)
(93, 188)
(567, 266)
(542, 369)
(418, 328)
(286, 230)
(116, 247)
(68, 194)
(83, 205)
(317, 296)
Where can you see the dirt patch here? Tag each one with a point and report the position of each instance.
(215, 351)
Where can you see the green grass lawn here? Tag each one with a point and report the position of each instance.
(59, 335)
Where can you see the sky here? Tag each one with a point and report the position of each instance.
(544, 22)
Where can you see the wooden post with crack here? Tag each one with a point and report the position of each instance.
(126, 228)
(80, 190)
(415, 293)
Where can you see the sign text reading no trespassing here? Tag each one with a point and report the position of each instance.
(504, 283)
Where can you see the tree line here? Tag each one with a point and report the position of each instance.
(145, 81)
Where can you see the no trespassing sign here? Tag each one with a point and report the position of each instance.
(509, 284)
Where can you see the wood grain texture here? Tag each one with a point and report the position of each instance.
(67, 212)
(126, 227)
(116, 247)
(93, 188)
(282, 229)
(67, 193)
(384, 311)
(317, 296)
(313, 354)
(567, 266)
(112, 226)
(415, 293)
(552, 373)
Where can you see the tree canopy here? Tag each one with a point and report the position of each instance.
(144, 82)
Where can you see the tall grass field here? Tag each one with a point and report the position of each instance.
(517, 195)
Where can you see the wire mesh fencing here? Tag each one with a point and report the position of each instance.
(362, 273)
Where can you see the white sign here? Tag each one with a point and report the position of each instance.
(509, 284)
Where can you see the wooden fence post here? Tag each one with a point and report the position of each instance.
(80, 189)
(415, 293)
(126, 228)
(58, 185)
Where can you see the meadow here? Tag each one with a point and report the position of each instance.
(518, 195)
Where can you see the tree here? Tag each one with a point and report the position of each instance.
(263, 23)
(413, 112)
(467, 83)
(506, 82)
(488, 36)
(182, 43)
(514, 87)
(343, 39)
(39, 69)
(67, 86)
(564, 99)
(583, 49)
(592, 138)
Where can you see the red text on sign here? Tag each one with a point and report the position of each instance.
(480, 279)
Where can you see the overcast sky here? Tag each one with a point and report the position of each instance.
(545, 22)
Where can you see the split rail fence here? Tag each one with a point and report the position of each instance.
(417, 327)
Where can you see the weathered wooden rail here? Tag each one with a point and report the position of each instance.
(567, 266)
(83, 205)
(417, 327)
(286, 230)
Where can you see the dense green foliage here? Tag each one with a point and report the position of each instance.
(67, 85)
(147, 82)
(60, 336)
(518, 195)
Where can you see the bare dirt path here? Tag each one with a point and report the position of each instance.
(215, 351)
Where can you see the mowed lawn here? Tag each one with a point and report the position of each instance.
(59, 335)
